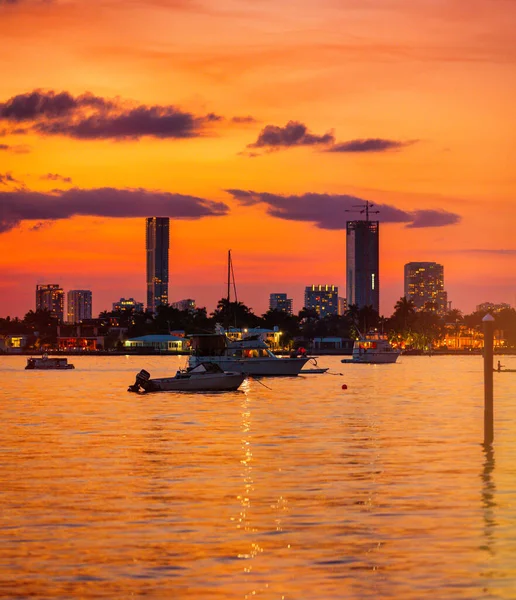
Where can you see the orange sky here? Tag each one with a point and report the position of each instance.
(429, 84)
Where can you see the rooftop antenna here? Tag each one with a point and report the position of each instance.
(364, 209)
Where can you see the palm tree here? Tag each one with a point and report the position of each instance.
(404, 311)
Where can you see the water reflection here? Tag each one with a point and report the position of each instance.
(488, 498)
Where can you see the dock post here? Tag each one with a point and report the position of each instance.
(488, 325)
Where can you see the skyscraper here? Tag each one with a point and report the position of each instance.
(280, 302)
(424, 285)
(363, 263)
(324, 299)
(79, 305)
(50, 297)
(157, 243)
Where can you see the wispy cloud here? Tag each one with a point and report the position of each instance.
(369, 145)
(18, 149)
(25, 205)
(7, 179)
(332, 211)
(56, 177)
(499, 251)
(91, 117)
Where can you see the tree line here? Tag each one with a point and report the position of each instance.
(421, 329)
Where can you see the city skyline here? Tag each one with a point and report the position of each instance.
(260, 135)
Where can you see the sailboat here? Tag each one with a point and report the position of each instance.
(250, 355)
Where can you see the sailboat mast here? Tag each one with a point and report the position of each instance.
(229, 277)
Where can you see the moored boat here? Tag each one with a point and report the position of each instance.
(205, 377)
(251, 356)
(373, 348)
(45, 363)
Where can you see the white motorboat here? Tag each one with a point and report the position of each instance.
(48, 363)
(205, 377)
(373, 349)
(250, 355)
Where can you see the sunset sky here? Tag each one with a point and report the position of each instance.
(255, 125)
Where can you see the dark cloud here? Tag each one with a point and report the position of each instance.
(294, 133)
(51, 105)
(92, 117)
(56, 177)
(24, 205)
(433, 218)
(369, 145)
(332, 211)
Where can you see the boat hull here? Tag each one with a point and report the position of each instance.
(218, 382)
(266, 367)
(373, 359)
(44, 364)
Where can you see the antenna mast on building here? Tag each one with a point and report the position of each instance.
(364, 209)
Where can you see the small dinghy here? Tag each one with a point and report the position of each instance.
(48, 363)
(205, 377)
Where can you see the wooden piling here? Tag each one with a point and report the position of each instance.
(488, 325)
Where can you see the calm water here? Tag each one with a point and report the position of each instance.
(306, 490)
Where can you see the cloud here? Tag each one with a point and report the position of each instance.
(369, 145)
(499, 251)
(56, 177)
(25, 205)
(7, 178)
(20, 149)
(433, 218)
(332, 211)
(294, 133)
(273, 137)
(91, 117)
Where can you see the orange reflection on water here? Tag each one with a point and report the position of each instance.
(303, 490)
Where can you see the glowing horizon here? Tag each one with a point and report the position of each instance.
(177, 106)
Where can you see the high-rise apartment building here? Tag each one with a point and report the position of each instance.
(324, 299)
(280, 302)
(343, 306)
(157, 243)
(363, 263)
(128, 304)
(186, 304)
(492, 307)
(79, 305)
(424, 285)
(50, 297)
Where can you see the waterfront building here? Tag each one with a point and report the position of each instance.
(186, 304)
(343, 305)
(363, 264)
(323, 299)
(157, 343)
(50, 297)
(157, 244)
(127, 304)
(280, 302)
(491, 307)
(79, 305)
(424, 285)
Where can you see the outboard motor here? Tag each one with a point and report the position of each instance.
(141, 379)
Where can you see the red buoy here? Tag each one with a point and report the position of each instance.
(344, 386)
